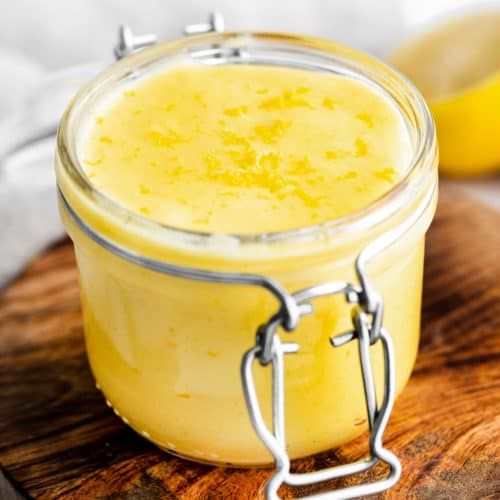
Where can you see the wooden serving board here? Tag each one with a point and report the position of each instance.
(59, 440)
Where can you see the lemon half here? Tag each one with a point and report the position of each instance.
(456, 66)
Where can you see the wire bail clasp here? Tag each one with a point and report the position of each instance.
(128, 43)
(270, 350)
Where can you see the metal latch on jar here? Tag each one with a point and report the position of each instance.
(270, 350)
(129, 43)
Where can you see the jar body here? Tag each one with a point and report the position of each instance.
(166, 351)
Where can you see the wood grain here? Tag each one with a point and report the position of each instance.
(59, 439)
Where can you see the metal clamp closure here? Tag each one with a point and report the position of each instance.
(129, 43)
(270, 350)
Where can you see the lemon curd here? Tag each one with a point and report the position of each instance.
(246, 149)
(240, 168)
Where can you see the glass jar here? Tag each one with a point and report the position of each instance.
(169, 314)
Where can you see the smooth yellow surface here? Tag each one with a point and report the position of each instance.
(165, 351)
(457, 68)
(246, 149)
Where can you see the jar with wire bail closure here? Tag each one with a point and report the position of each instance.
(212, 346)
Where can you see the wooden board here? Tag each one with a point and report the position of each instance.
(59, 440)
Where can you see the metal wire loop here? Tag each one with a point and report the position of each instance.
(378, 414)
(299, 304)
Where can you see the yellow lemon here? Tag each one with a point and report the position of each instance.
(457, 68)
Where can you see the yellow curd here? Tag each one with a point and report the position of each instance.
(235, 149)
(246, 149)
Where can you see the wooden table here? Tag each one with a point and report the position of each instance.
(59, 440)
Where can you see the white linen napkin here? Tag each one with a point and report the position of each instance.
(32, 106)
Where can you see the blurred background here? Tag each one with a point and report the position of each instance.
(39, 41)
(38, 37)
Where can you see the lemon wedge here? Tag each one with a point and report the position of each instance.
(456, 66)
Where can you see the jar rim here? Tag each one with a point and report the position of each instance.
(282, 48)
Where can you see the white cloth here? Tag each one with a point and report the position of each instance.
(38, 37)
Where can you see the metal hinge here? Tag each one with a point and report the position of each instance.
(128, 43)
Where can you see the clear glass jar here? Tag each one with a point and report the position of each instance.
(166, 350)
